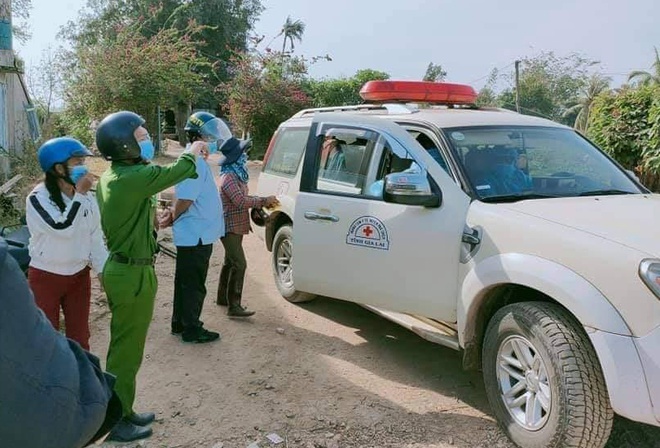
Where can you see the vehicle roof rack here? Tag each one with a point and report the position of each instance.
(391, 108)
(396, 108)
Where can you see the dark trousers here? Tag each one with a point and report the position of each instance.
(70, 292)
(232, 276)
(192, 265)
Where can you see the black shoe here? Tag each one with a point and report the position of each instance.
(125, 431)
(178, 328)
(142, 419)
(201, 336)
(238, 311)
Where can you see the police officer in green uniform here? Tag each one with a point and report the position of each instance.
(126, 196)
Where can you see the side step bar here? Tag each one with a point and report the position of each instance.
(428, 329)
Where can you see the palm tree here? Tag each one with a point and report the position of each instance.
(597, 84)
(648, 78)
(292, 31)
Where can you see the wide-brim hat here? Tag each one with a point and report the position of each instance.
(232, 150)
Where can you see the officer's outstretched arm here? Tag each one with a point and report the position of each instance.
(155, 178)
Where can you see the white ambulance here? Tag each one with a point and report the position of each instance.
(508, 237)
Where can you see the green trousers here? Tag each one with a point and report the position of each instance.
(131, 292)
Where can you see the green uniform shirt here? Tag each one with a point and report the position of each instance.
(126, 197)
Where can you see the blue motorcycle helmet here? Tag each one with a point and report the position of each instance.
(59, 150)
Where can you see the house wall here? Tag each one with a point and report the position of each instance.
(14, 123)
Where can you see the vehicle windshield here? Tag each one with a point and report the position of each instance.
(514, 163)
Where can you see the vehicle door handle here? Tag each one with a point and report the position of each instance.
(313, 216)
(471, 238)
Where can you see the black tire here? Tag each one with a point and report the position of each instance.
(579, 412)
(287, 289)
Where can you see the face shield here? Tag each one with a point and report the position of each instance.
(215, 130)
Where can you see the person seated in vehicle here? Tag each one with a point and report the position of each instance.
(523, 169)
(332, 156)
(426, 143)
(508, 177)
(479, 165)
(376, 188)
(398, 165)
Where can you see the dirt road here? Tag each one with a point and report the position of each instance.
(324, 374)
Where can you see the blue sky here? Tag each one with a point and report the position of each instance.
(468, 37)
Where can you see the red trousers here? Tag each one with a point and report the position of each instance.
(72, 293)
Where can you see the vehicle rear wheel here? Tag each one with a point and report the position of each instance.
(282, 261)
(543, 379)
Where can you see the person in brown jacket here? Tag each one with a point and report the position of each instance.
(236, 203)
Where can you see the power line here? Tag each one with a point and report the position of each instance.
(536, 112)
(491, 71)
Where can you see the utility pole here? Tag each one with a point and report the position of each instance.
(518, 86)
(159, 146)
(6, 44)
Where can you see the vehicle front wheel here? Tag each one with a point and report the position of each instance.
(543, 379)
(283, 267)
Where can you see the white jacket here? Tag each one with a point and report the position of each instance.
(66, 242)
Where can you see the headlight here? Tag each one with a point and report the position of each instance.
(649, 271)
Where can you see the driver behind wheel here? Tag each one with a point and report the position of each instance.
(508, 175)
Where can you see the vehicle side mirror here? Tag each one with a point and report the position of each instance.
(410, 189)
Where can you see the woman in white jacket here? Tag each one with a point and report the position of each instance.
(65, 237)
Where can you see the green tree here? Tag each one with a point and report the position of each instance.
(20, 15)
(647, 78)
(44, 81)
(651, 151)
(581, 111)
(132, 72)
(259, 95)
(626, 124)
(292, 30)
(225, 26)
(487, 97)
(619, 123)
(549, 85)
(434, 73)
(341, 91)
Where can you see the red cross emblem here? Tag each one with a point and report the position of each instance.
(367, 231)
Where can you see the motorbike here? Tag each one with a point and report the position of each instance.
(17, 237)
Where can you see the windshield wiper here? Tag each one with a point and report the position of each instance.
(517, 197)
(606, 192)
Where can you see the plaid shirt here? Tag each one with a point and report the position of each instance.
(237, 204)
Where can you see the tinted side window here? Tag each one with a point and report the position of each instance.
(287, 152)
(343, 159)
(427, 143)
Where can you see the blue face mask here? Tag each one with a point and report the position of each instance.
(213, 147)
(77, 172)
(147, 149)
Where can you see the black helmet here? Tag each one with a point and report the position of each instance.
(115, 136)
(197, 120)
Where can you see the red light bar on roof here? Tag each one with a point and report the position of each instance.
(418, 91)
